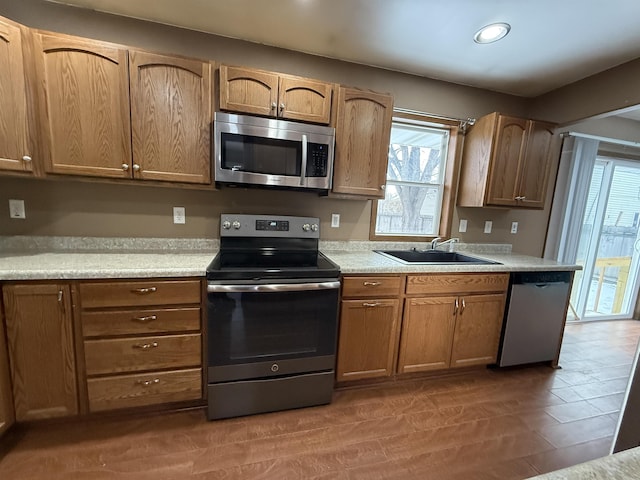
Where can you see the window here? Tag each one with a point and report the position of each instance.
(417, 181)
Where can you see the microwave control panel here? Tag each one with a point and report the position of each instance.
(317, 160)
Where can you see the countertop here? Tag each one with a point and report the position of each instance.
(619, 466)
(38, 258)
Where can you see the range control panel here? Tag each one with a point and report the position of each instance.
(269, 226)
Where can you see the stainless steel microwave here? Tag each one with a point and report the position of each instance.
(276, 153)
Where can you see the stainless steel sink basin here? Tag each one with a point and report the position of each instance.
(432, 257)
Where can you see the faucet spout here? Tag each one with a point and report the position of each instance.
(434, 243)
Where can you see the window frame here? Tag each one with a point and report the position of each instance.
(449, 187)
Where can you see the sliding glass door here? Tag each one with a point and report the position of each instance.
(609, 245)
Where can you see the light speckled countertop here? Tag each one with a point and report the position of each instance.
(620, 466)
(43, 258)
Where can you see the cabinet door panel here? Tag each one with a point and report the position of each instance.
(85, 96)
(7, 413)
(477, 332)
(507, 159)
(13, 107)
(363, 130)
(306, 100)
(537, 163)
(40, 337)
(248, 91)
(170, 118)
(368, 335)
(427, 333)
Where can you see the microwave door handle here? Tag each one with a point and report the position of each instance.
(303, 173)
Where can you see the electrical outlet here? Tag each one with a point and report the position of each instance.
(16, 209)
(514, 227)
(488, 225)
(463, 226)
(335, 220)
(179, 215)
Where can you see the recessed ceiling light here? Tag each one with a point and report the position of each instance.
(492, 33)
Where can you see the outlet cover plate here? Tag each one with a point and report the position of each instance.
(488, 225)
(179, 216)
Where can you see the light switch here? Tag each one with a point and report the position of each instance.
(514, 227)
(16, 209)
(335, 220)
(488, 225)
(463, 226)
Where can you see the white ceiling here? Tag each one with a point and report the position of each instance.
(552, 42)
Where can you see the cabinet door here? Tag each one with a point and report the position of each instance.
(306, 100)
(248, 91)
(427, 333)
(477, 332)
(509, 149)
(85, 102)
(13, 106)
(7, 414)
(170, 118)
(41, 352)
(362, 142)
(536, 165)
(368, 336)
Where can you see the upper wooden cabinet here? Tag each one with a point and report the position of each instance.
(170, 118)
(89, 117)
(506, 162)
(15, 154)
(288, 97)
(363, 129)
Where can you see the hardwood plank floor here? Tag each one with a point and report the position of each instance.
(485, 424)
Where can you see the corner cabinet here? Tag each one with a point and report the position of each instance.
(257, 92)
(14, 146)
(41, 350)
(506, 162)
(363, 129)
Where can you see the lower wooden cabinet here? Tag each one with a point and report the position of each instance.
(7, 413)
(41, 350)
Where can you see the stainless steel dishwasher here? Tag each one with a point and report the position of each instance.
(535, 317)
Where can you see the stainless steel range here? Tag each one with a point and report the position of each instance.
(272, 315)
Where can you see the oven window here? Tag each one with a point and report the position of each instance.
(248, 153)
(254, 327)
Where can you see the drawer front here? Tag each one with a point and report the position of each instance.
(139, 293)
(457, 283)
(371, 286)
(140, 322)
(137, 390)
(121, 355)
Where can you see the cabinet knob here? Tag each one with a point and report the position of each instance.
(125, 166)
(274, 105)
(26, 158)
(281, 107)
(136, 167)
(382, 187)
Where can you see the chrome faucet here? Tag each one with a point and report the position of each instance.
(435, 243)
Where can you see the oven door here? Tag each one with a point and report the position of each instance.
(264, 330)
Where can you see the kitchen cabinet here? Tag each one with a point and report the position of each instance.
(142, 342)
(41, 350)
(257, 92)
(110, 112)
(369, 327)
(459, 329)
(7, 414)
(363, 129)
(506, 162)
(15, 154)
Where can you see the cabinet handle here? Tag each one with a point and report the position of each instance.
(60, 295)
(463, 306)
(144, 291)
(145, 346)
(137, 168)
(369, 305)
(146, 383)
(455, 307)
(274, 105)
(521, 198)
(281, 107)
(382, 187)
(370, 284)
(125, 166)
(148, 318)
(26, 158)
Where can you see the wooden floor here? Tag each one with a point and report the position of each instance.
(481, 425)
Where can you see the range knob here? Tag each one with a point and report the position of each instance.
(226, 224)
(314, 227)
(236, 225)
(306, 227)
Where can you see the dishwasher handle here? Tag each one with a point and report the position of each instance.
(541, 279)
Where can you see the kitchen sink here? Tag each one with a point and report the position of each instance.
(432, 257)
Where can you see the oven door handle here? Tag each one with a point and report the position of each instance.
(273, 287)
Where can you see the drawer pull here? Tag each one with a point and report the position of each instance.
(145, 346)
(147, 383)
(148, 318)
(370, 284)
(464, 305)
(144, 291)
(455, 307)
(370, 304)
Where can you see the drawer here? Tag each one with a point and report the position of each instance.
(457, 283)
(139, 293)
(140, 321)
(124, 391)
(121, 355)
(371, 286)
